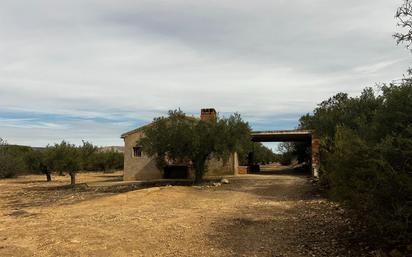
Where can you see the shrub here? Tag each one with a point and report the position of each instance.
(366, 156)
(106, 161)
(11, 162)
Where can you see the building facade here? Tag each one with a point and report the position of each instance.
(138, 166)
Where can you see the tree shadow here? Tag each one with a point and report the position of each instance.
(285, 220)
(50, 195)
(47, 195)
(285, 170)
(114, 179)
(38, 181)
(276, 187)
(119, 177)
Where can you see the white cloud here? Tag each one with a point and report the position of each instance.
(129, 61)
(375, 67)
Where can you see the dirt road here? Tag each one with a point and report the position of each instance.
(254, 215)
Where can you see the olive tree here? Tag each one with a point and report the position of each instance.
(39, 161)
(404, 17)
(65, 158)
(179, 138)
(86, 152)
(404, 36)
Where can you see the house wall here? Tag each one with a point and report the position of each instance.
(144, 168)
(138, 168)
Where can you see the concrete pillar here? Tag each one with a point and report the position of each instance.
(235, 164)
(315, 147)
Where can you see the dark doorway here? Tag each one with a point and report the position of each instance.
(304, 150)
(176, 172)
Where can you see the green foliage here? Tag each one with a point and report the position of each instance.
(38, 161)
(11, 161)
(105, 161)
(299, 151)
(65, 157)
(62, 157)
(366, 155)
(87, 152)
(35, 160)
(178, 138)
(263, 155)
(256, 153)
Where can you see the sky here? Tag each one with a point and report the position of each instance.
(93, 69)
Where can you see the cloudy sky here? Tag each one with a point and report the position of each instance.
(92, 69)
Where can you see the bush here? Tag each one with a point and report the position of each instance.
(361, 176)
(106, 161)
(11, 162)
(366, 156)
(10, 166)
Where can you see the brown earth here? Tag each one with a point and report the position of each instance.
(272, 214)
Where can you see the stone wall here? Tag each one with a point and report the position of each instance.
(217, 167)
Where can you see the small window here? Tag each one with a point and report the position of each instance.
(137, 151)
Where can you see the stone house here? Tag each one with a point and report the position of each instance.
(138, 166)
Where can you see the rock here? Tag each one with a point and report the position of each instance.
(224, 181)
(216, 184)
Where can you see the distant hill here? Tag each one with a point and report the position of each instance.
(118, 149)
(37, 148)
(22, 147)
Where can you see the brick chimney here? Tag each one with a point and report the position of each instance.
(208, 114)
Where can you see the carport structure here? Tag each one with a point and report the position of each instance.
(308, 136)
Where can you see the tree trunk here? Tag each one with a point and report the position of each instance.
(72, 178)
(199, 170)
(48, 176)
(45, 170)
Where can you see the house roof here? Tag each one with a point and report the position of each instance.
(131, 132)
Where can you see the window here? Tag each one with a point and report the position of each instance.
(137, 151)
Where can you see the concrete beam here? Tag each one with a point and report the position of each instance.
(282, 136)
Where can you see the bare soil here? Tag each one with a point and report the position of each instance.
(271, 214)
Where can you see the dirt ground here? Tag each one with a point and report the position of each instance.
(271, 214)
